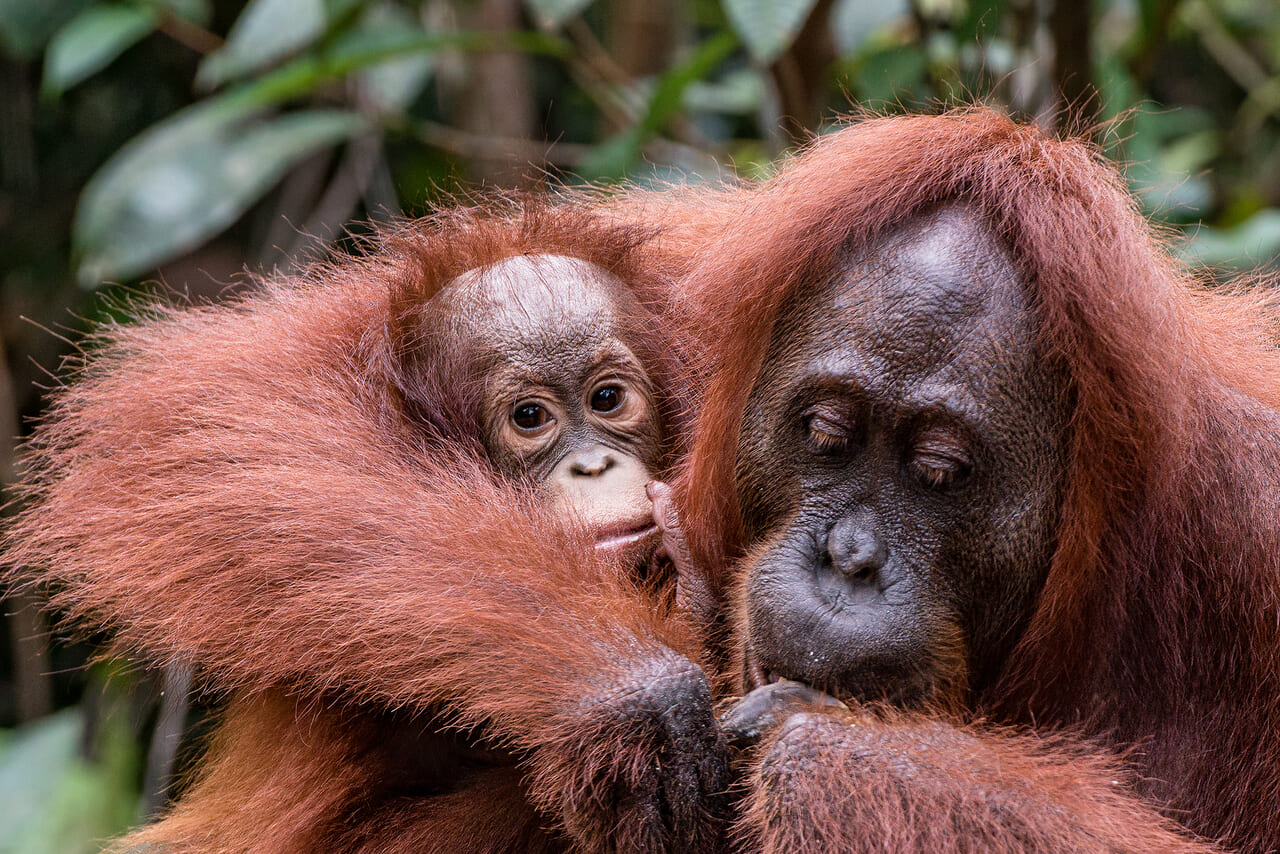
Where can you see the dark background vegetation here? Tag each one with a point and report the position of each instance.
(171, 145)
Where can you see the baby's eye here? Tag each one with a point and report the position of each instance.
(607, 398)
(530, 416)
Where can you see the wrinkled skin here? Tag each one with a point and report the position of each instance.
(897, 469)
(565, 400)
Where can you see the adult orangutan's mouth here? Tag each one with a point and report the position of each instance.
(756, 675)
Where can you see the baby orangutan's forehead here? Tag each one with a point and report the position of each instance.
(532, 309)
(534, 294)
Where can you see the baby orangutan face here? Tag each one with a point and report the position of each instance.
(564, 399)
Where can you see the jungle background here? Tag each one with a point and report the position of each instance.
(169, 146)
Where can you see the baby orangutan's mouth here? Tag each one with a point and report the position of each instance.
(625, 535)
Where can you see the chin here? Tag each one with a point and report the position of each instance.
(932, 674)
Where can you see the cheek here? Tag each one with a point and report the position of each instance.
(649, 444)
(1012, 523)
(1005, 558)
(992, 561)
(766, 483)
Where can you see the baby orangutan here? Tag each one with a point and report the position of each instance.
(556, 352)
(330, 482)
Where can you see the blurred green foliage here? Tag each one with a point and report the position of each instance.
(68, 781)
(272, 82)
(181, 141)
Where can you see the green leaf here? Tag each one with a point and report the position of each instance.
(854, 21)
(1252, 243)
(339, 9)
(889, 74)
(363, 48)
(91, 41)
(265, 32)
(615, 156)
(1166, 151)
(1149, 15)
(186, 179)
(739, 92)
(669, 94)
(551, 14)
(394, 84)
(25, 25)
(979, 16)
(55, 801)
(196, 11)
(767, 27)
(359, 50)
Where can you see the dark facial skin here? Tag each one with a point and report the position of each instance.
(897, 469)
(566, 401)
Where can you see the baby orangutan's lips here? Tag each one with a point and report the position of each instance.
(625, 535)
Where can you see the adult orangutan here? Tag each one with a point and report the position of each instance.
(326, 496)
(1000, 464)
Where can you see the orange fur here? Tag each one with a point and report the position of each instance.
(284, 775)
(243, 487)
(1158, 630)
(235, 487)
(920, 784)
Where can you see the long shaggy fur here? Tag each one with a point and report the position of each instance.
(255, 489)
(920, 784)
(1159, 622)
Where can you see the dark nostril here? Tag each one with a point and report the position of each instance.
(860, 571)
